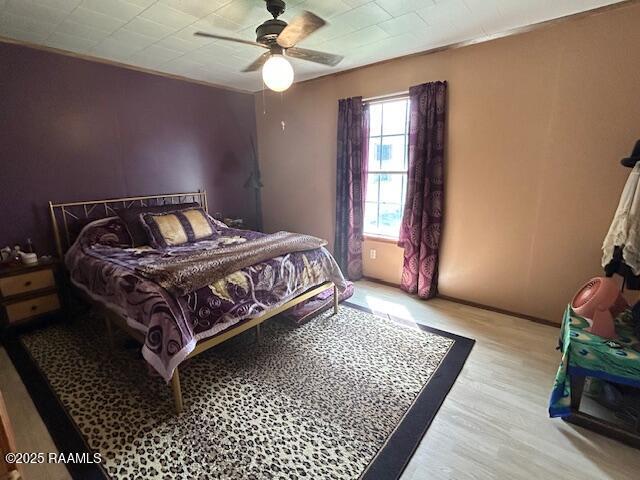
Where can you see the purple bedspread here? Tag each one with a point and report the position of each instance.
(101, 264)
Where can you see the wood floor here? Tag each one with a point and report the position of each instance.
(493, 424)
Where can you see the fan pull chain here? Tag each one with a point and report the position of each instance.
(282, 122)
(264, 102)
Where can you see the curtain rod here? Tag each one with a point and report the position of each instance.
(384, 98)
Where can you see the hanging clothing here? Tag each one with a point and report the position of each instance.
(423, 210)
(624, 232)
(353, 143)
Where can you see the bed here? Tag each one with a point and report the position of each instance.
(174, 324)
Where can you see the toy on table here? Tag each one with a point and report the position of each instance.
(17, 256)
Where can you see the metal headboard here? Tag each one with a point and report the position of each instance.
(65, 215)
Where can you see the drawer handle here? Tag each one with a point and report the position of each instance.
(34, 308)
(27, 283)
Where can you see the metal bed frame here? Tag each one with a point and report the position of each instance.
(63, 215)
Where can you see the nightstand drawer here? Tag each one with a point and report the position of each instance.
(27, 282)
(32, 307)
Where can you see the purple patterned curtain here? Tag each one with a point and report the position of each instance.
(422, 218)
(353, 135)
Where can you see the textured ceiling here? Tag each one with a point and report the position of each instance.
(158, 34)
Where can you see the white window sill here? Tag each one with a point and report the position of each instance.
(380, 238)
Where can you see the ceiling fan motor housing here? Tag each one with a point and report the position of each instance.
(268, 32)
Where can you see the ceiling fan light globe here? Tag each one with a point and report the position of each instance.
(277, 73)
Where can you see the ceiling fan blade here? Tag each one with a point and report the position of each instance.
(230, 39)
(299, 28)
(314, 56)
(258, 63)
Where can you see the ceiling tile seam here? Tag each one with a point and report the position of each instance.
(69, 14)
(81, 4)
(127, 23)
(351, 33)
(183, 54)
(384, 9)
(482, 27)
(60, 22)
(188, 52)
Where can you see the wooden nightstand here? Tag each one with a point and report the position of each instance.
(28, 292)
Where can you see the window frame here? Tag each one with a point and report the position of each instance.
(405, 97)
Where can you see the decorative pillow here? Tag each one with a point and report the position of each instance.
(131, 219)
(107, 231)
(177, 228)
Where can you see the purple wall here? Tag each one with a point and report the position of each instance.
(72, 129)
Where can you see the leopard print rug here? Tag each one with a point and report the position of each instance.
(314, 402)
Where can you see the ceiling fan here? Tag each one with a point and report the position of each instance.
(280, 39)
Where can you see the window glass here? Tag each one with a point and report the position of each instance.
(394, 117)
(393, 153)
(375, 120)
(371, 217)
(391, 188)
(389, 219)
(374, 151)
(372, 188)
(388, 159)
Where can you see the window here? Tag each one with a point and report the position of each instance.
(388, 159)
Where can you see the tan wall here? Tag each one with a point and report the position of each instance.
(537, 123)
(387, 266)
